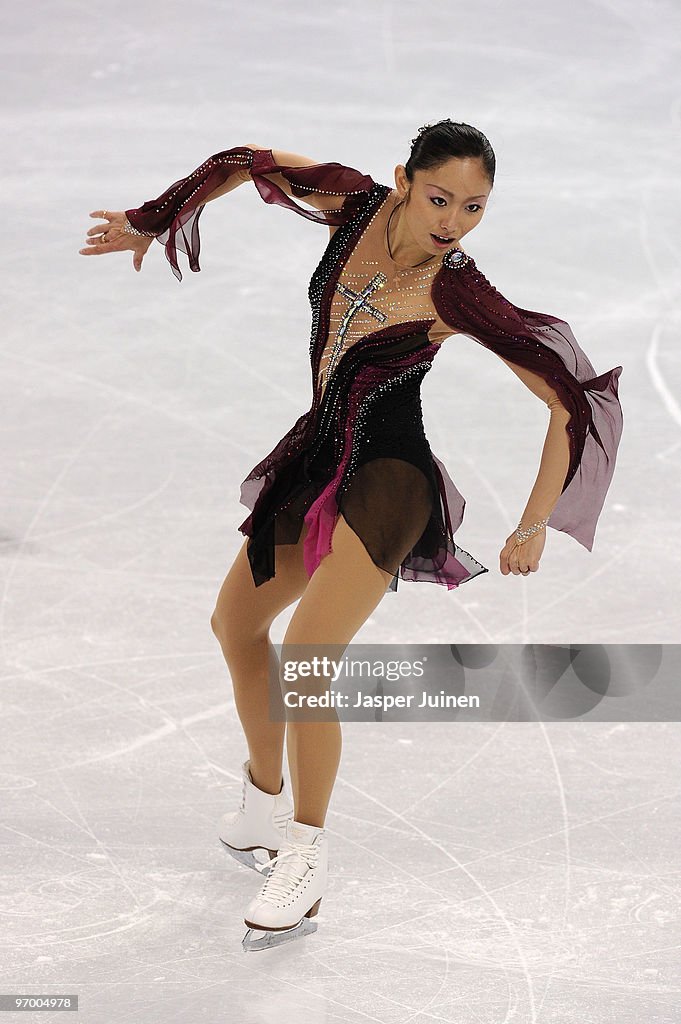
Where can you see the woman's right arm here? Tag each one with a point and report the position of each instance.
(171, 218)
(314, 199)
(331, 192)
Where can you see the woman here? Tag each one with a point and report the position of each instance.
(352, 497)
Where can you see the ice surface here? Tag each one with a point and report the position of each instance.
(495, 873)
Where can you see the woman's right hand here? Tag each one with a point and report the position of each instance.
(110, 237)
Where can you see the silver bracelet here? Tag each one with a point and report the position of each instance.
(530, 531)
(135, 231)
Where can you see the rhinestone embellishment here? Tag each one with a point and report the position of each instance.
(455, 259)
(130, 230)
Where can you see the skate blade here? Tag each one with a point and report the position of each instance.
(267, 940)
(247, 858)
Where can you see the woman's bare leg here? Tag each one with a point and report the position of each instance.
(343, 591)
(241, 621)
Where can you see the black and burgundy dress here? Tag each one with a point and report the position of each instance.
(361, 450)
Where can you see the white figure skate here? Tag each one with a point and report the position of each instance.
(288, 901)
(259, 823)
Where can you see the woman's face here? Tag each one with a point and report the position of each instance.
(448, 201)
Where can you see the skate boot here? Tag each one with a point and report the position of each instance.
(290, 898)
(259, 824)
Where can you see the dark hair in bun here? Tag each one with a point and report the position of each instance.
(437, 143)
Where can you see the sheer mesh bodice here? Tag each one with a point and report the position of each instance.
(361, 450)
(373, 293)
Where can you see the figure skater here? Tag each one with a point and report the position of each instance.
(352, 498)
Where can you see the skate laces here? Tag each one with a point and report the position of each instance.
(289, 868)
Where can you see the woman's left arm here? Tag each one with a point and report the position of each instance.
(543, 351)
(523, 558)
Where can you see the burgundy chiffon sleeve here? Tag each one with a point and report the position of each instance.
(544, 344)
(173, 218)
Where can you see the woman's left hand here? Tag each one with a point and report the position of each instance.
(522, 559)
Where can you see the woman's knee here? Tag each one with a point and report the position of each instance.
(243, 613)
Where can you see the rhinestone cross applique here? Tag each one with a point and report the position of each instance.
(358, 302)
